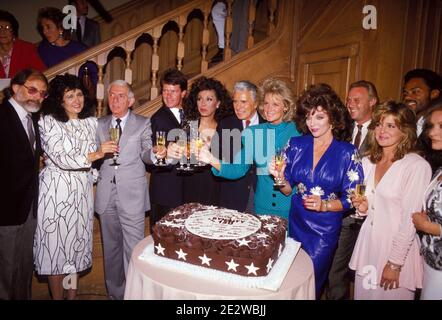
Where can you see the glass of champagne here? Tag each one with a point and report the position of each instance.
(161, 144)
(359, 192)
(188, 154)
(199, 144)
(279, 163)
(182, 144)
(114, 134)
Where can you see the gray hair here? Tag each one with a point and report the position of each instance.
(246, 85)
(122, 83)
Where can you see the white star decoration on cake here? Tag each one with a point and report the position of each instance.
(243, 242)
(232, 265)
(181, 254)
(160, 249)
(264, 217)
(174, 213)
(179, 220)
(279, 250)
(252, 269)
(261, 235)
(205, 260)
(270, 226)
(270, 265)
(167, 223)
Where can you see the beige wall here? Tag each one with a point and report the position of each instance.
(26, 13)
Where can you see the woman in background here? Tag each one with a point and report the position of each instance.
(63, 239)
(429, 221)
(15, 54)
(324, 168)
(386, 256)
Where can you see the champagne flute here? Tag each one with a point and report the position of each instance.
(114, 134)
(182, 144)
(188, 155)
(199, 144)
(279, 163)
(161, 143)
(359, 192)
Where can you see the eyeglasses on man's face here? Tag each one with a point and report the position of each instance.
(33, 91)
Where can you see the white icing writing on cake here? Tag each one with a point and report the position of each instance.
(222, 224)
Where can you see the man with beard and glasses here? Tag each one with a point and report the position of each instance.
(420, 87)
(20, 145)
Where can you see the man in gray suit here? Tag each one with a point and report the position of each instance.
(362, 99)
(122, 195)
(88, 30)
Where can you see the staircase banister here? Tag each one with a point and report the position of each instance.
(101, 51)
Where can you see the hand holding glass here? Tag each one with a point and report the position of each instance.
(115, 137)
(279, 164)
(359, 193)
(161, 144)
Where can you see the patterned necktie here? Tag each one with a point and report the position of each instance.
(181, 111)
(31, 133)
(358, 136)
(247, 123)
(118, 120)
(78, 31)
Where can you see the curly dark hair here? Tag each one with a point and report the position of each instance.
(190, 102)
(53, 104)
(9, 17)
(434, 157)
(322, 95)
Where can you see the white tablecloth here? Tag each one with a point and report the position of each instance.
(148, 282)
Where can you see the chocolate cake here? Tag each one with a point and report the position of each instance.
(222, 239)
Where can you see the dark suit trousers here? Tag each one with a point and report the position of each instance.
(16, 260)
(340, 274)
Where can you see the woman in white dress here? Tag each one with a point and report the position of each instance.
(63, 239)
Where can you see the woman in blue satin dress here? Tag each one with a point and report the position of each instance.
(324, 168)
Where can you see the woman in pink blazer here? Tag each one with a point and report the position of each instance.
(386, 256)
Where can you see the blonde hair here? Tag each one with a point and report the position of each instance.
(279, 88)
(405, 120)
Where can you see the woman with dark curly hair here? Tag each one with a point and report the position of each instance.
(324, 168)
(207, 104)
(386, 256)
(429, 221)
(259, 144)
(63, 239)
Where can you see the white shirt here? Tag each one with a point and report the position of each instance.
(22, 114)
(122, 123)
(420, 126)
(176, 113)
(254, 120)
(363, 134)
(82, 21)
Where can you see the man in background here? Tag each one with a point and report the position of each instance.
(88, 30)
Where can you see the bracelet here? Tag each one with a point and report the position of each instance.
(394, 267)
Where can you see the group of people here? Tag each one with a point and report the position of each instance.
(329, 148)
(57, 45)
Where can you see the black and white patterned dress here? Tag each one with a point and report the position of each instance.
(63, 239)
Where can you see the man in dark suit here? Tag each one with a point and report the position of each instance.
(238, 194)
(88, 30)
(362, 99)
(20, 154)
(166, 186)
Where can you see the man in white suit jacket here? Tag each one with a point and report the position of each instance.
(122, 195)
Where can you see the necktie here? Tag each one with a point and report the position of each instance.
(78, 30)
(358, 136)
(247, 123)
(118, 120)
(181, 111)
(31, 133)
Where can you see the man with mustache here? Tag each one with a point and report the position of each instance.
(20, 145)
(420, 87)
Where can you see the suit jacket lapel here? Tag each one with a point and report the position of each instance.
(17, 124)
(172, 116)
(129, 129)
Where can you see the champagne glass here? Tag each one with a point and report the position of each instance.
(199, 144)
(182, 144)
(279, 163)
(359, 192)
(188, 155)
(115, 137)
(161, 144)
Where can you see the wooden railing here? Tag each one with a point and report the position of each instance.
(154, 29)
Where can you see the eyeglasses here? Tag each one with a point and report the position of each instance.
(32, 91)
(5, 28)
